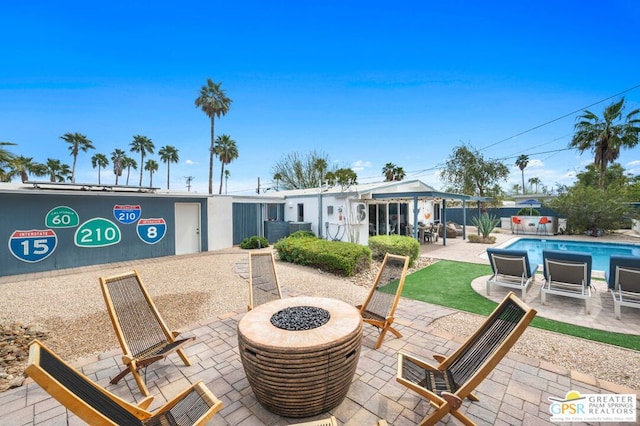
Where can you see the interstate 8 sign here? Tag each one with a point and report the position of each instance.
(151, 230)
(33, 245)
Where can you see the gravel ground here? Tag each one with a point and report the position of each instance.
(187, 289)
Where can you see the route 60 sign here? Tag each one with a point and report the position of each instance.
(151, 230)
(33, 245)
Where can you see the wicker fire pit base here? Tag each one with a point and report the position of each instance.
(300, 372)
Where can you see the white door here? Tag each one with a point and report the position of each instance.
(187, 228)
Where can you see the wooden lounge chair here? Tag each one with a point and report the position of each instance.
(141, 331)
(624, 282)
(455, 378)
(263, 279)
(97, 406)
(380, 306)
(568, 274)
(511, 269)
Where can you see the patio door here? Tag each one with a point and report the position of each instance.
(187, 225)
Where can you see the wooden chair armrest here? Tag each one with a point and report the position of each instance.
(453, 400)
(422, 363)
(146, 402)
(439, 358)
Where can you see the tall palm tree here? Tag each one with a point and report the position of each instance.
(100, 161)
(214, 103)
(169, 154)
(607, 135)
(320, 166)
(522, 162)
(129, 163)
(534, 181)
(57, 171)
(23, 166)
(77, 142)
(399, 173)
(227, 173)
(151, 166)
(143, 145)
(277, 177)
(227, 151)
(117, 157)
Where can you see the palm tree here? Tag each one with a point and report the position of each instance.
(534, 181)
(607, 135)
(151, 166)
(227, 173)
(522, 162)
(277, 177)
(320, 166)
(5, 157)
(388, 171)
(227, 151)
(399, 173)
(214, 103)
(77, 142)
(169, 154)
(117, 157)
(57, 171)
(100, 161)
(143, 145)
(23, 166)
(129, 163)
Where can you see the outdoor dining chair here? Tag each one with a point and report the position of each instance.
(380, 306)
(141, 331)
(97, 406)
(449, 383)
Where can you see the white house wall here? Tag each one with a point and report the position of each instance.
(220, 231)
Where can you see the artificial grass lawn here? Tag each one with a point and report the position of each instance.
(448, 283)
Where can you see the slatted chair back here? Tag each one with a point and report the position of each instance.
(628, 279)
(263, 279)
(141, 331)
(455, 378)
(381, 303)
(97, 406)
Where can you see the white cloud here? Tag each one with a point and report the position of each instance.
(360, 165)
(190, 162)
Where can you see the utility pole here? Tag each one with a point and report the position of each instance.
(189, 179)
(258, 188)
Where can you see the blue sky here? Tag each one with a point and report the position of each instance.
(367, 83)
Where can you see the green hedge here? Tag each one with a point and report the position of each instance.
(394, 244)
(254, 242)
(332, 256)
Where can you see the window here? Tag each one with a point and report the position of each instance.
(300, 212)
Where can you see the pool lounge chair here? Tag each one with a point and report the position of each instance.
(511, 269)
(623, 280)
(567, 273)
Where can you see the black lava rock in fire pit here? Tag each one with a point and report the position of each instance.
(299, 318)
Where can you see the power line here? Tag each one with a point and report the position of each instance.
(560, 118)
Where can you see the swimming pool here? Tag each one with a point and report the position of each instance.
(600, 252)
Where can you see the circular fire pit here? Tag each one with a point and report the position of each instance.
(300, 353)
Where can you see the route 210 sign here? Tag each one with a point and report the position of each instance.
(127, 214)
(151, 230)
(33, 245)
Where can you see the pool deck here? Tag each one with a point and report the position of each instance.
(517, 392)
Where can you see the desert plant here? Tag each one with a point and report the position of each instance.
(485, 223)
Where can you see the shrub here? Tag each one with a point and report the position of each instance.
(337, 257)
(526, 211)
(302, 234)
(254, 242)
(485, 223)
(394, 244)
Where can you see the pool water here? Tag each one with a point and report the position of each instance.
(600, 252)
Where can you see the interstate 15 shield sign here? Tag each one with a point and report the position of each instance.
(33, 245)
